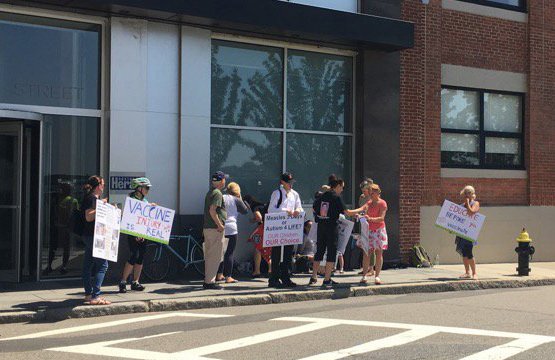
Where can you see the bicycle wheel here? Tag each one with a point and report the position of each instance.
(156, 263)
(197, 259)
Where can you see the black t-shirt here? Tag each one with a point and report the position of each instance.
(89, 202)
(328, 207)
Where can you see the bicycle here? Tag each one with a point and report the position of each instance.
(156, 263)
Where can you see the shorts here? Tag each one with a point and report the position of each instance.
(326, 242)
(464, 247)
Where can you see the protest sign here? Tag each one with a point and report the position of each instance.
(364, 240)
(106, 231)
(281, 229)
(146, 221)
(456, 219)
(344, 230)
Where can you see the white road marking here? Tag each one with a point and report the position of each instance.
(110, 324)
(391, 341)
(253, 340)
(413, 332)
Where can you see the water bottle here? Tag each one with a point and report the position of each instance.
(436, 261)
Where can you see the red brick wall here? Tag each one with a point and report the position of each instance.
(458, 38)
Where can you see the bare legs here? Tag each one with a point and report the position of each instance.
(135, 269)
(469, 264)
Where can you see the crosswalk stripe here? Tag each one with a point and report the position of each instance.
(391, 341)
(111, 323)
(509, 349)
(252, 340)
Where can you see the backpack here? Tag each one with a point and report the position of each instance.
(419, 257)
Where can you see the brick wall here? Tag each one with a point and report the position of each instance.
(458, 38)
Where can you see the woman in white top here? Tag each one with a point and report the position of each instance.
(234, 206)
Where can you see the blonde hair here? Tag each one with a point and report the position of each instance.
(366, 184)
(325, 188)
(233, 189)
(376, 187)
(469, 189)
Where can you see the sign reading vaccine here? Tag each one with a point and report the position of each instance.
(456, 219)
(147, 221)
(281, 229)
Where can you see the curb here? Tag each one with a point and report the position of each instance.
(207, 302)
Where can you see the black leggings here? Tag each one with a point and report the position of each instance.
(226, 266)
(326, 240)
(137, 249)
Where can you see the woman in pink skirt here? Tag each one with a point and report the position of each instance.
(375, 210)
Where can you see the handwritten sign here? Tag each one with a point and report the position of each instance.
(456, 219)
(146, 221)
(106, 231)
(344, 230)
(281, 229)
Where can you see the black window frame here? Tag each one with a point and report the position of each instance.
(483, 134)
(520, 8)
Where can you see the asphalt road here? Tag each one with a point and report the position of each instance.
(492, 324)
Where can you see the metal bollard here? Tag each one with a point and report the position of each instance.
(525, 252)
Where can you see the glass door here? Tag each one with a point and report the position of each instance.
(10, 199)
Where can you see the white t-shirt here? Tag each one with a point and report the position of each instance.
(289, 201)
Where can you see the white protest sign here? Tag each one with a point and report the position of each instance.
(456, 219)
(281, 229)
(364, 240)
(146, 221)
(106, 231)
(344, 230)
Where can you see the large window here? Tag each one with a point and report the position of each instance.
(275, 109)
(518, 5)
(481, 129)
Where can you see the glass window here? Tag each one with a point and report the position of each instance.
(502, 113)
(481, 129)
(49, 62)
(247, 85)
(71, 151)
(518, 5)
(252, 158)
(503, 151)
(460, 149)
(319, 90)
(248, 92)
(341, 5)
(460, 109)
(330, 154)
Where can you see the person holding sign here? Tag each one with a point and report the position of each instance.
(375, 209)
(368, 259)
(464, 247)
(327, 209)
(287, 200)
(215, 216)
(137, 245)
(92, 267)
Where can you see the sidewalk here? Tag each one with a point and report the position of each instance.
(53, 301)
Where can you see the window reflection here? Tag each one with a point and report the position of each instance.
(459, 109)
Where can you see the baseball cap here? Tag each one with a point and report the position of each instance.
(287, 177)
(219, 176)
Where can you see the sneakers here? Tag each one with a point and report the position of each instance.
(212, 286)
(122, 287)
(312, 281)
(377, 281)
(329, 282)
(136, 286)
(274, 283)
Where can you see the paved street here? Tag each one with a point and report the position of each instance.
(491, 324)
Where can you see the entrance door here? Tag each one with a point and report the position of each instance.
(10, 199)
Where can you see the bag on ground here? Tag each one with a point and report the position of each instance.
(419, 257)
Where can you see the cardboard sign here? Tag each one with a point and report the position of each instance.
(106, 231)
(149, 222)
(281, 229)
(344, 230)
(456, 219)
(364, 239)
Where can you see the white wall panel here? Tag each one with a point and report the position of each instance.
(195, 119)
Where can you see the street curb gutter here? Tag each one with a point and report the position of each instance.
(57, 314)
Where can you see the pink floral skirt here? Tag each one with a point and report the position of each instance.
(378, 239)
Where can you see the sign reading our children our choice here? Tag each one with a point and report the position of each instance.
(147, 221)
(281, 229)
(456, 219)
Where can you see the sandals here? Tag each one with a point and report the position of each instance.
(231, 280)
(363, 281)
(465, 276)
(99, 301)
(377, 281)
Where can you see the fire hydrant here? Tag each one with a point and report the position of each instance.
(525, 252)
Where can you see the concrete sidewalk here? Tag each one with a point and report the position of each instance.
(52, 301)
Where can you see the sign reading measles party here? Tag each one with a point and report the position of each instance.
(146, 221)
(456, 219)
(281, 229)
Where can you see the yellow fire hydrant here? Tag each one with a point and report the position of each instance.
(525, 252)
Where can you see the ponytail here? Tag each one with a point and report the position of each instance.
(92, 184)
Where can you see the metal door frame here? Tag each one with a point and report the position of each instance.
(15, 118)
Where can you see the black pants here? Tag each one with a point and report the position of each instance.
(326, 241)
(137, 250)
(226, 266)
(281, 271)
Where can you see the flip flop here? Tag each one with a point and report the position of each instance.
(99, 301)
(465, 276)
